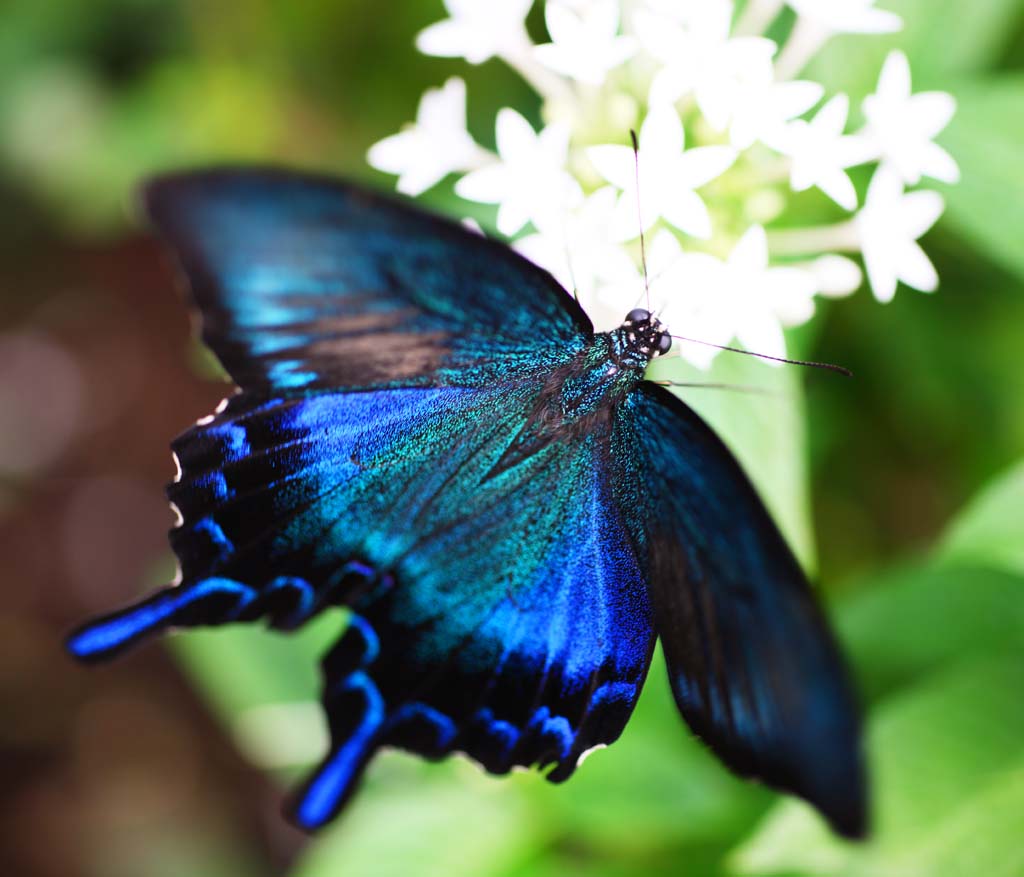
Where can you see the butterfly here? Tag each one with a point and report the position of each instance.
(428, 431)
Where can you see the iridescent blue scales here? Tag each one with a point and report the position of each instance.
(429, 432)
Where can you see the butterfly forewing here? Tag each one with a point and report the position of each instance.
(304, 282)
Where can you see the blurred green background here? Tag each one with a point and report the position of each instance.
(903, 488)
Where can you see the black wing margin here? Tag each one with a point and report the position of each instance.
(753, 665)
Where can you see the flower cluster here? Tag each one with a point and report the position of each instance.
(727, 131)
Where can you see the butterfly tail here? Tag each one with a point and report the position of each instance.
(209, 601)
(357, 715)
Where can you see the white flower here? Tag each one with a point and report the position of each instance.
(835, 276)
(699, 57)
(585, 45)
(689, 12)
(584, 257)
(530, 182)
(902, 125)
(666, 267)
(477, 30)
(741, 297)
(848, 16)
(888, 228)
(766, 107)
(668, 176)
(731, 78)
(435, 146)
(698, 74)
(820, 152)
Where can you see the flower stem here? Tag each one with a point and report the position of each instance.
(804, 42)
(757, 16)
(842, 237)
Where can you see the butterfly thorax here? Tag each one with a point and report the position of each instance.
(581, 397)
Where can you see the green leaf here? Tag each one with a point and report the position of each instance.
(852, 62)
(907, 623)
(244, 669)
(985, 136)
(765, 430)
(982, 838)
(939, 754)
(990, 531)
(448, 820)
(657, 784)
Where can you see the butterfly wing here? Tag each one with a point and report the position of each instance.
(753, 666)
(497, 609)
(503, 615)
(307, 282)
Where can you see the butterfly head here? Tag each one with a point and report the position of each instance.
(644, 335)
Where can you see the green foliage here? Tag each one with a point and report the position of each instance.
(941, 650)
(989, 530)
(986, 136)
(411, 816)
(941, 751)
(984, 30)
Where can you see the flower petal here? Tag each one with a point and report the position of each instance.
(515, 136)
(831, 118)
(877, 21)
(554, 140)
(564, 25)
(894, 80)
(487, 185)
(393, 154)
(615, 163)
(417, 178)
(703, 164)
(919, 211)
(751, 251)
(915, 269)
(761, 333)
(661, 136)
(932, 111)
(512, 216)
(938, 164)
(445, 39)
(836, 276)
(885, 188)
(881, 271)
(686, 211)
(443, 108)
(792, 99)
(837, 185)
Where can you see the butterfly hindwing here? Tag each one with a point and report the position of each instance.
(499, 613)
(304, 282)
(520, 637)
(753, 667)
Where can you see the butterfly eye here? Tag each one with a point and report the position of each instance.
(638, 315)
(664, 343)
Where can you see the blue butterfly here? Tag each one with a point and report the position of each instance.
(429, 432)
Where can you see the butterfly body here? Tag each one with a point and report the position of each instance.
(430, 433)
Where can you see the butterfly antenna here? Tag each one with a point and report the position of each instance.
(640, 214)
(828, 366)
